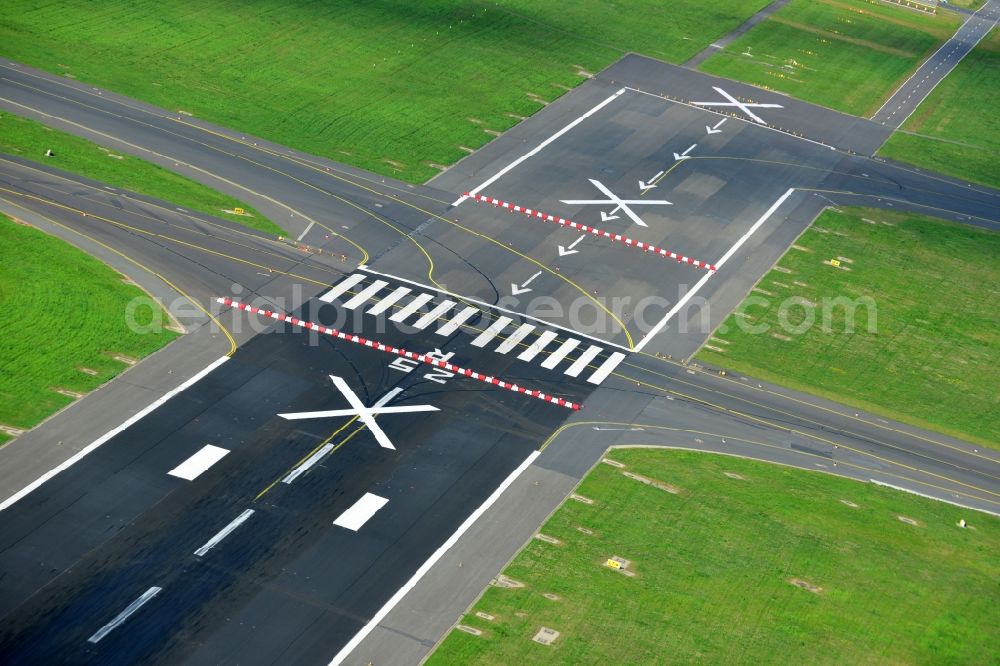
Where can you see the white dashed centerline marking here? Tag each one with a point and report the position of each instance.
(224, 532)
(360, 512)
(194, 466)
(125, 614)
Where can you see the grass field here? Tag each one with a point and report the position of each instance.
(27, 138)
(61, 328)
(957, 128)
(845, 54)
(933, 358)
(713, 569)
(397, 87)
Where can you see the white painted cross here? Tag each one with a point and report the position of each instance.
(742, 106)
(365, 414)
(620, 204)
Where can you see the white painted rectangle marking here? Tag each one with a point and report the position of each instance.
(309, 462)
(491, 332)
(365, 294)
(224, 532)
(560, 353)
(606, 368)
(456, 321)
(388, 301)
(341, 287)
(582, 362)
(538, 345)
(194, 466)
(125, 614)
(433, 315)
(514, 338)
(362, 510)
(411, 307)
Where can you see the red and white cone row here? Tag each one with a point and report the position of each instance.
(591, 230)
(423, 358)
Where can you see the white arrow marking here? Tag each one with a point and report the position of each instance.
(684, 155)
(608, 216)
(564, 251)
(651, 184)
(620, 204)
(365, 414)
(523, 289)
(715, 129)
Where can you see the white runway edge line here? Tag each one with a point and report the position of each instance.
(937, 499)
(360, 512)
(537, 149)
(125, 614)
(718, 264)
(104, 438)
(193, 467)
(223, 533)
(431, 561)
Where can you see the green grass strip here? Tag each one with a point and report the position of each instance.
(64, 320)
(30, 139)
(748, 563)
(844, 54)
(932, 358)
(956, 130)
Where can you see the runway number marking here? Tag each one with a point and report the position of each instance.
(620, 204)
(742, 106)
(365, 414)
(408, 365)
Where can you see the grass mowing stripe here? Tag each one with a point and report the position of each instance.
(400, 88)
(956, 130)
(738, 561)
(931, 359)
(30, 139)
(845, 54)
(48, 342)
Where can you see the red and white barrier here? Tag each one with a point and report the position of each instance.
(591, 230)
(423, 358)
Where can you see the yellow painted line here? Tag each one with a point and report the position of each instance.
(786, 428)
(566, 426)
(232, 341)
(307, 456)
(171, 239)
(365, 256)
(799, 401)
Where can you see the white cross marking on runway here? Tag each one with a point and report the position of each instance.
(620, 204)
(365, 414)
(742, 106)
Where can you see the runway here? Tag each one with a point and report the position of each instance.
(207, 582)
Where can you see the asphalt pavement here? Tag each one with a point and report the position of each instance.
(115, 559)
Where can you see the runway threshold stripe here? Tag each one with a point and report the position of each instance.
(361, 512)
(224, 532)
(452, 325)
(514, 338)
(491, 332)
(423, 358)
(585, 358)
(538, 345)
(388, 301)
(560, 353)
(143, 599)
(341, 287)
(365, 294)
(606, 368)
(433, 315)
(645, 247)
(411, 307)
(194, 466)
